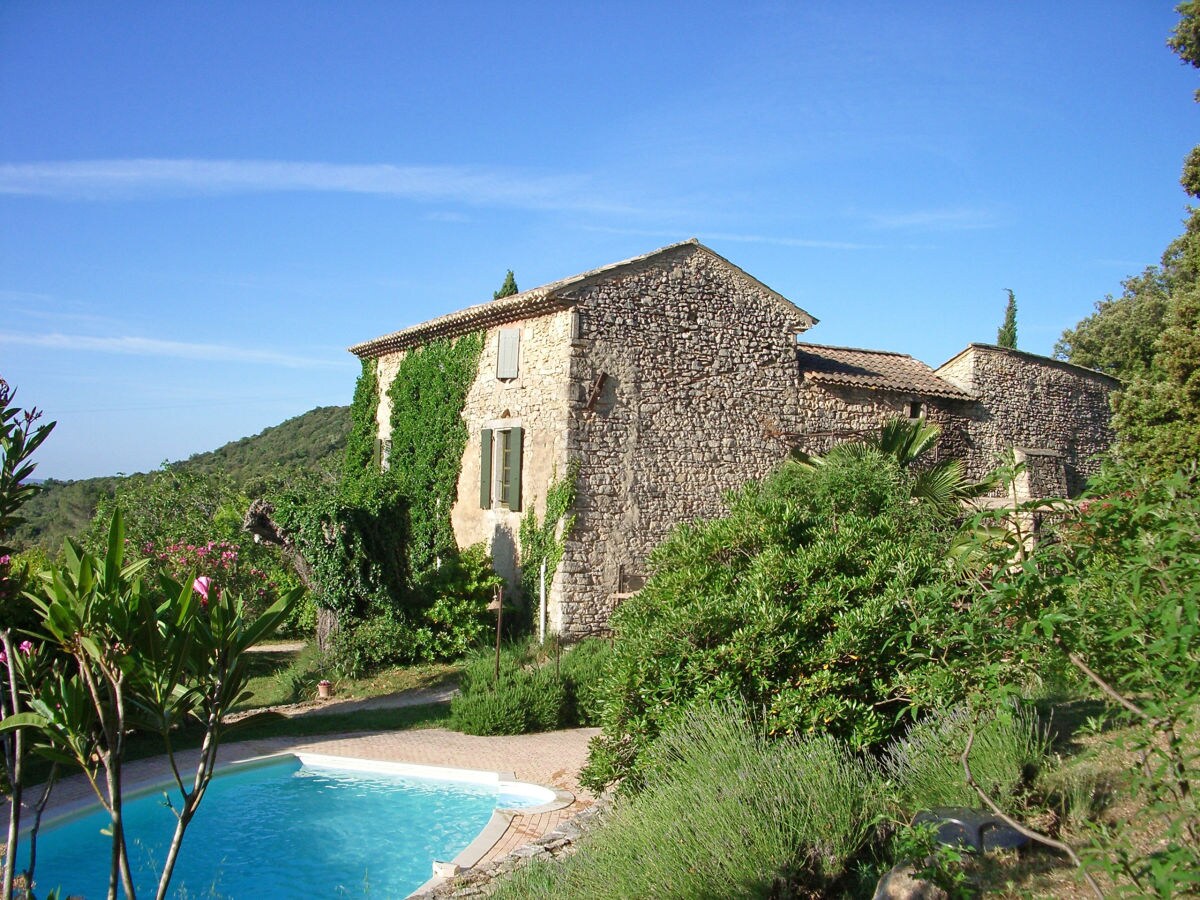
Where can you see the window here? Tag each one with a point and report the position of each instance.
(506, 352)
(385, 459)
(915, 410)
(500, 468)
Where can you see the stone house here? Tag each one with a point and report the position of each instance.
(674, 377)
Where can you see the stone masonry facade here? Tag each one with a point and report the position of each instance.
(1055, 414)
(673, 378)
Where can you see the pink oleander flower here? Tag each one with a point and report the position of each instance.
(5, 560)
(26, 647)
(3, 657)
(202, 586)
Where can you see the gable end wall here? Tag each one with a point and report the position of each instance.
(699, 365)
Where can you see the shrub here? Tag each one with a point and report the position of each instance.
(361, 647)
(582, 667)
(462, 588)
(727, 814)
(925, 766)
(793, 603)
(540, 688)
(525, 698)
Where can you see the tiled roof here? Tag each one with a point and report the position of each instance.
(874, 369)
(534, 302)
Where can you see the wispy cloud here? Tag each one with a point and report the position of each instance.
(732, 237)
(139, 346)
(136, 178)
(932, 219)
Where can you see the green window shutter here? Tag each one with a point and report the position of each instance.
(377, 455)
(512, 449)
(485, 468)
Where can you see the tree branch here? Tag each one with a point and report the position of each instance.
(1017, 826)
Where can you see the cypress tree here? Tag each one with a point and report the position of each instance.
(508, 288)
(1007, 335)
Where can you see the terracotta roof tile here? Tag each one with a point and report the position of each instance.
(874, 369)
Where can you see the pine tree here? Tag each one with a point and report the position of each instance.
(1007, 335)
(508, 288)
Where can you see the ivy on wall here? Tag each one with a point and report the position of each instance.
(362, 439)
(428, 439)
(544, 541)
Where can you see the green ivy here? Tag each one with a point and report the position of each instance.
(543, 541)
(428, 440)
(363, 437)
(352, 537)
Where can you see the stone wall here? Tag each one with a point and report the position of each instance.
(536, 401)
(828, 415)
(681, 373)
(1033, 403)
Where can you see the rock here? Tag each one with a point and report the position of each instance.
(902, 884)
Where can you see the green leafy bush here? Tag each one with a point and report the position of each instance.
(462, 588)
(582, 667)
(525, 698)
(360, 647)
(796, 602)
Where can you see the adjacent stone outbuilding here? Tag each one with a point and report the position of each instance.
(674, 377)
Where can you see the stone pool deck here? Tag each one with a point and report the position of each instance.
(552, 760)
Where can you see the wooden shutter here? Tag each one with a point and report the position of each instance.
(512, 450)
(506, 353)
(377, 455)
(485, 468)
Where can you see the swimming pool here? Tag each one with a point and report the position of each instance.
(289, 827)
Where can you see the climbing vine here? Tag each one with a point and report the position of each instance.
(428, 439)
(545, 540)
(362, 439)
(351, 535)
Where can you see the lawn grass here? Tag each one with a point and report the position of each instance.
(284, 676)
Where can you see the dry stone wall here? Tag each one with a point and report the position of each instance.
(1035, 403)
(681, 371)
(830, 414)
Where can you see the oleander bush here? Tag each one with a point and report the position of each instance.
(799, 602)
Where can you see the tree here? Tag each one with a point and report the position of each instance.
(1158, 417)
(508, 288)
(18, 441)
(1007, 335)
(1118, 338)
(131, 655)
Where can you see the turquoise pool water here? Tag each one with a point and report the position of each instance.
(283, 830)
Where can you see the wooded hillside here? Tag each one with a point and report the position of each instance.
(309, 441)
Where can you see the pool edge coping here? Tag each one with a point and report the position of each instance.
(493, 831)
(491, 834)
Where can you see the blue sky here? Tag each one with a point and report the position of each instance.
(203, 205)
